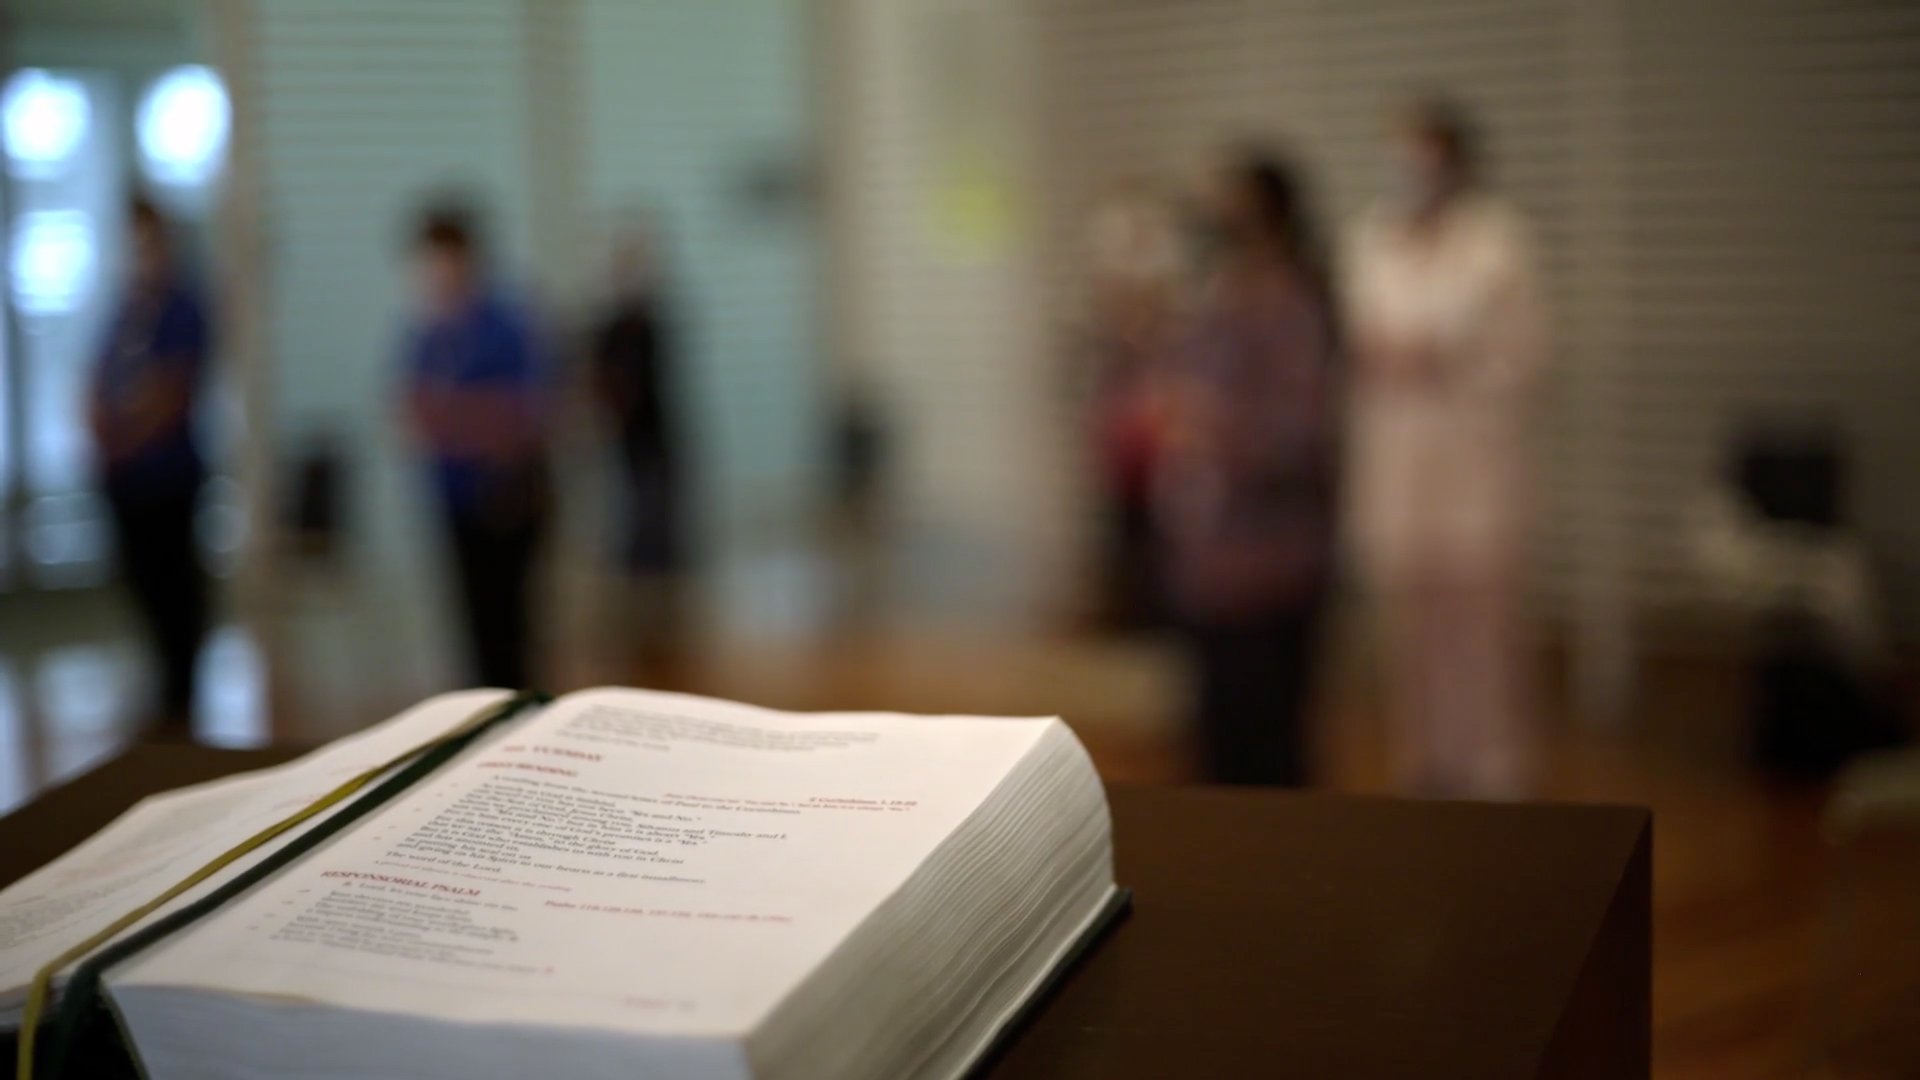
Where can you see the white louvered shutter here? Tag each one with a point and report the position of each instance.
(1773, 173)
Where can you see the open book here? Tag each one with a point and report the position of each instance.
(615, 884)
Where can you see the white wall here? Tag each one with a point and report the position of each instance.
(937, 237)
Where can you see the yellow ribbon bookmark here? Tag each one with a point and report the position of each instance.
(41, 987)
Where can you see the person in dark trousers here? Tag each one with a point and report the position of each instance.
(141, 405)
(477, 400)
(632, 355)
(1245, 497)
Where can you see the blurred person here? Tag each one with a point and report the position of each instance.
(1449, 335)
(1245, 493)
(633, 370)
(1134, 285)
(145, 390)
(477, 401)
(632, 360)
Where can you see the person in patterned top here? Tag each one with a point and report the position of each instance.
(1245, 494)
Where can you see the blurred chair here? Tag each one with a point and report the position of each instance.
(1775, 539)
(314, 512)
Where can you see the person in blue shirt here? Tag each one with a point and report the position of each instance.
(146, 384)
(476, 401)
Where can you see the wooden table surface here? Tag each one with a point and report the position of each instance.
(1273, 934)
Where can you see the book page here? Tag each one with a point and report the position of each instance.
(163, 838)
(645, 862)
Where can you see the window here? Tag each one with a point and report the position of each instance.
(44, 119)
(53, 258)
(182, 126)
